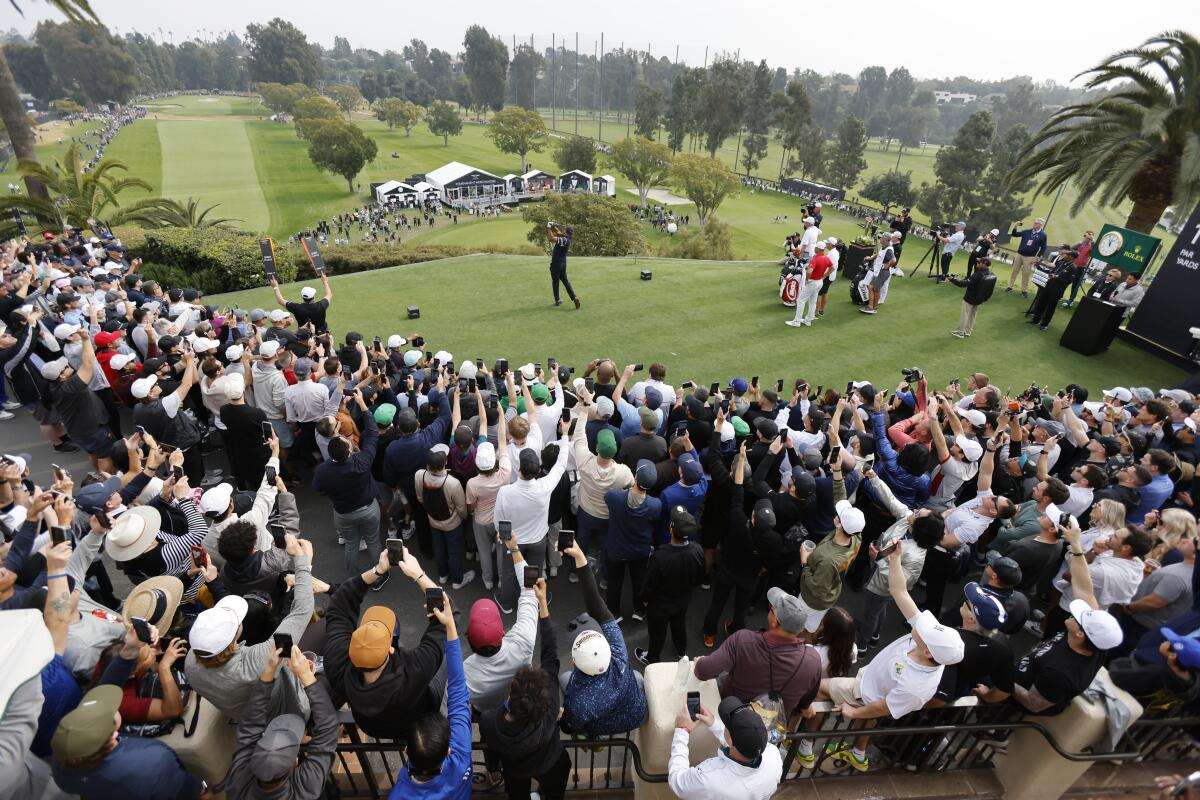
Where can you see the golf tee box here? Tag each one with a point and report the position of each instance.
(647, 274)
(268, 256)
(414, 312)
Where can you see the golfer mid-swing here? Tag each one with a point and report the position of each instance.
(560, 240)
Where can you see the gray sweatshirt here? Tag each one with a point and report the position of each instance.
(230, 686)
(912, 558)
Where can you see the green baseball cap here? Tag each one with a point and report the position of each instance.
(86, 729)
(740, 427)
(385, 414)
(540, 392)
(606, 444)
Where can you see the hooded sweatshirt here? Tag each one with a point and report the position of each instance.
(386, 708)
(630, 527)
(426, 481)
(269, 387)
(594, 479)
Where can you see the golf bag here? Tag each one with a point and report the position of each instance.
(860, 284)
(790, 281)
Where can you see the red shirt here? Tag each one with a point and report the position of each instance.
(819, 266)
(1084, 249)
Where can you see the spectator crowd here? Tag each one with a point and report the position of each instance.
(979, 519)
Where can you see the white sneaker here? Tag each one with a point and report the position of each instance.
(6, 415)
(554, 572)
(806, 323)
(467, 578)
(487, 584)
(11, 405)
(792, 323)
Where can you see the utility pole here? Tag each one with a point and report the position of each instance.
(600, 103)
(553, 80)
(576, 83)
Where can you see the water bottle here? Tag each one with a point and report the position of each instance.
(775, 736)
(683, 671)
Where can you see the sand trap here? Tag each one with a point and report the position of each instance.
(662, 197)
(210, 99)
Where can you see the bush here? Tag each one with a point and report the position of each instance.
(348, 258)
(713, 241)
(209, 259)
(603, 224)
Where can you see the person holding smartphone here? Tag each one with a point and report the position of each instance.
(598, 473)
(245, 445)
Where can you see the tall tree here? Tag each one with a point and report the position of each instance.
(811, 153)
(90, 59)
(958, 169)
(793, 116)
(522, 76)
(648, 110)
(280, 52)
(685, 96)
(757, 117)
(444, 121)
(282, 99)
(195, 66)
(1001, 203)
(846, 160)
(900, 87)
(345, 96)
(341, 148)
(703, 180)
(342, 48)
(32, 73)
(872, 87)
(399, 113)
(485, 62)
(517, 131)
(723, 98)
(1136, 140)
(575, 152)
(314, 109)
(644, 162)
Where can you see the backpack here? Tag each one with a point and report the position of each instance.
(433, 498)
(149, 687)
(769, 706)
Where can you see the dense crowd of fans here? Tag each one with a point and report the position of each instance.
(773, 494)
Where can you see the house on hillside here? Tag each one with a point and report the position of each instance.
(513, 183)
(575, 180)
(538, 181)
(458, 181)
(605, 184)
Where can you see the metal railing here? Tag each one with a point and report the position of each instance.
(960, 736)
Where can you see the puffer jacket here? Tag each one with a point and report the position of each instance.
(912, 490)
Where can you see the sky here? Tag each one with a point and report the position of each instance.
(983, 39)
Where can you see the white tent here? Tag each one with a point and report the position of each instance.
(538, 181)
(458, 181)
(513, 183)
(399, 191)
(575, 180)
(605, 184)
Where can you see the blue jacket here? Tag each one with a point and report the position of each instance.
(1033, 243)
(690, 497)
(912, 490)
(629, 529)
(349, 485)
(407, 454)
(455, 778)
(137, 768)
(609, 703)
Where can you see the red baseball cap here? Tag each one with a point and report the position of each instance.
(485, 628)
(105, 338)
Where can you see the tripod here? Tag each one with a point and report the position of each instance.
(931, 255)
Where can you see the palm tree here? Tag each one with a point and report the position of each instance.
(75, 197)
(12, 110)
(1140, 141)
(162, 212)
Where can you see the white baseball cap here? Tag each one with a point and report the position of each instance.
(52, 369)
(820, 245)
(809, 221)
(944, 644)
(234, 352)
(972, 415)
(216, 499)
(278, 315)
(590, 652)
(1100, 626)
(141, 387)
(119, 361)
(308, 293)
(202, 344)
(467, 369)
(485, 456)
(994, 231)
(443, 356)
(65, 330)
(853, 520)
(269, 348)
(1119, 392)
(831, 241)
(17, 461)
(396, 340)
(972, 449)
(217, 627)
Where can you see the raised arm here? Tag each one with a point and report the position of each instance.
(87, 359)
(278, 294)
(987, 464)
(328, 288)
(1081, 575)
(897, 583)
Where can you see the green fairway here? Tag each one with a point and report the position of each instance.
(212, 161)
(205, 106)
(709, 321)
(139, 148)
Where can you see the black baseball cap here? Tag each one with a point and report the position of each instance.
(746, 730)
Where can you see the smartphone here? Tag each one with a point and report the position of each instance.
(472, 386)
(375, 369)
(638, 367)
(58, 535)
(504, 528)
(589, 383)
(435, 598)
(566, 415)
(565, 539)
(571, 428)
(142, 629)
(102, 518)
(779, 386)
(550, 363)
(140, 429)
(954, 382)
(531, 577)
(277, 534)
(395, 551)
(820, 390)
(418, 341)
(887, 551)
(849, 388)
(449, 366)
(429, 355)
(377, 341)
(784, 438)
(835, 454)
(267, 431)
(167, 449)
(60, 474)
(713, 388)
(479, 363)
(504, 366)
(693, 705)
(270, 474)
(681, 427)
(1064, 520)
(199, 556)
(283, 641)
(754, 381)
(687, 385)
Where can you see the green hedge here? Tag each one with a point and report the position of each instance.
(344, 259)
(209, 259)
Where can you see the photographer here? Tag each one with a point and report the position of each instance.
(950, 245)
(983, 248)
(560, 242)
(901, 223)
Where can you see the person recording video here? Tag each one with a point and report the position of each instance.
(560, 240)
(950, 243)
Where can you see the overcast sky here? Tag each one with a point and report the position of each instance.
(984, 39)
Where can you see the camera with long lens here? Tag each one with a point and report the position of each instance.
(911, 374)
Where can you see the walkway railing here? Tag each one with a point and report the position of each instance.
(961, 736)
